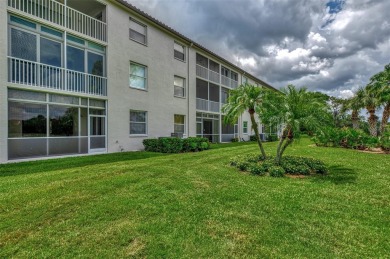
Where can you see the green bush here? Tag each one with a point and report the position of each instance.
(234, 139)
(303, 165)
(272, 138)
(384, 141)
(276, 171)
(152, 145)
(257, 169)
(176, 145)
(171, 145)
(252, 138)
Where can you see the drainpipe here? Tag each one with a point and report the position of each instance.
(188, 91)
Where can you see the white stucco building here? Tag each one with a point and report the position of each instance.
(87, 76)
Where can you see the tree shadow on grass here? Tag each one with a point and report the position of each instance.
(337, 175)
(40, 166)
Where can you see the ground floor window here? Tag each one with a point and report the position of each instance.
(245, 127)
(179, 124)
(43, 124)
(138, 122)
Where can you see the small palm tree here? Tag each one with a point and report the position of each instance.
(244, 98)
(355, 106)
(294, 109)
(369, 99)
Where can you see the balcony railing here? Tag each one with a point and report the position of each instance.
(207, 74)
(206, 105)
(57, 13)
(226, 81)
(31, 73)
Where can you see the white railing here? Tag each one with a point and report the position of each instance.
(31, 73)
(214, 106)
(206, 105)
(233, 84)
(202, 72)
(213, 76)
(62, 15)
(225, 81)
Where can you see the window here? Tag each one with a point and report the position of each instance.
(179, 51)
(138, 123)
(138, 75)
(179, 84)
(137, 31)
(179, 123)
(245, 127)
(244, 80)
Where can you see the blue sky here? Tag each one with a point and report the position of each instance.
(328, 46)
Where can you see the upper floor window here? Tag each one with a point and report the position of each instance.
(138, 31)
(138, 76)
(179, 84)
(179, 51)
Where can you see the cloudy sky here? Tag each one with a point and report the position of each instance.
(332, 46)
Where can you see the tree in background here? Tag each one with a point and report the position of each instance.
(245, 98)
(380, 84)
(355, 105)
(369, 99)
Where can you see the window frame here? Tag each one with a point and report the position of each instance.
(184, 87)
(146, 124)
(245, 127)
(184, 124)
(184, 51)
(145, 35)
(145, 78)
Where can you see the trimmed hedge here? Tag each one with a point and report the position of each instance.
(176, 145)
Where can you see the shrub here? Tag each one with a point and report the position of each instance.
(243, 165)
(272, 138)
(176, 145)
(303, 165)
(152, 145)
(257, 169)
(252, 138)
(276, 171)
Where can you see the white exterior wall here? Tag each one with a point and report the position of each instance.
(158, 100)
(3, 82)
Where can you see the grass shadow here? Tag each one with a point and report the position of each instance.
(338, 175)
(31, 167)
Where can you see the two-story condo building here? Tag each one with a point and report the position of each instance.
(87, 76)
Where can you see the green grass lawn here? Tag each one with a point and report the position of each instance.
(195, 205)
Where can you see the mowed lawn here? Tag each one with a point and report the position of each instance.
(195, 205)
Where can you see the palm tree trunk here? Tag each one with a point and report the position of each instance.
(385, 118)
(372, 122)
(355, 119)
(278, 158)
(256, 129)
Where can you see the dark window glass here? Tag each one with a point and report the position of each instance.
(214, 92)
(75, 59)
(214, 66)
(50, 52)
(95, 64)
(63, 121)
(200, 60)
(26, 120)
(201, 89)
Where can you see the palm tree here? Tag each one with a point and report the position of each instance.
(355, 106)
(369, 99)
(381, 84)
(244, 98)
(294, 109)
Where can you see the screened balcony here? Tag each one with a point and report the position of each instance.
(86, 17)
(207, 69)
(207, 96)
(229, 78)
